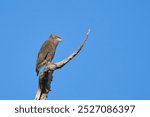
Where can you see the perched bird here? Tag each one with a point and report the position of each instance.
(47, 51)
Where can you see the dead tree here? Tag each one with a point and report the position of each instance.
(46, 76)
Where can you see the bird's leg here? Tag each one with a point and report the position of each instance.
(43, 63)
(50, 67)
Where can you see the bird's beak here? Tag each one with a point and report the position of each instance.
(59, 39)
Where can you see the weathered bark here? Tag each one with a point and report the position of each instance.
(47, 75)
(44, 85)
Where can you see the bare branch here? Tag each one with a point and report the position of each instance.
(47, 75)
(66, 60)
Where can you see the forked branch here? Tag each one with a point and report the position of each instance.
(46, 76)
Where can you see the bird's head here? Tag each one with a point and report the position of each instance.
(56, 37)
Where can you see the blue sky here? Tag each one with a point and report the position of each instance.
(114, 63)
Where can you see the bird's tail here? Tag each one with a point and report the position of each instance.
(37, 71)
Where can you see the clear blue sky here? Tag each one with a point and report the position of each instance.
(114, 63)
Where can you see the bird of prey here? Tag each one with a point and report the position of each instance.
(47, 51)
(46, 76)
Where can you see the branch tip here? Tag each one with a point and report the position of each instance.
(88, 32)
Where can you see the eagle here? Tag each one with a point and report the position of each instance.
(47, 51)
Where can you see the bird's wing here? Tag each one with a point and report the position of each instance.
(42, 53)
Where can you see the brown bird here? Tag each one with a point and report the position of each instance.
(47, 51)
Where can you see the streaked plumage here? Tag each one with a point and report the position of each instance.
(47, 51)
